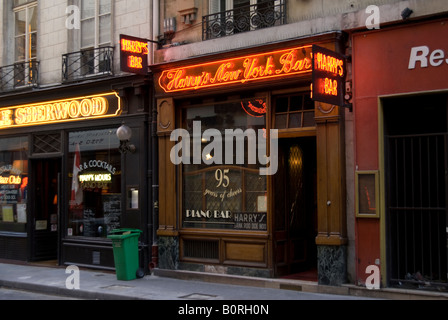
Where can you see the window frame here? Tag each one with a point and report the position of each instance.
(97, 17)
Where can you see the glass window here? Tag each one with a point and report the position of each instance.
(95, 23)
(13, 184)
(25, 43)
(94, 183)
(294, 111)
(229, 192)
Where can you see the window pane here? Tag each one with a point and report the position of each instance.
(13, 184)
(19, 2)
(308, 119)
(296, 103)
(295, 120)
(32, 16)
(20, 48)
(95, 183)
(20, 22)
(33, 48)
(280, 121)
(281, 104)
(227, 193)
(105, 7)
(105, 29)
(88, 9)
(88, 33)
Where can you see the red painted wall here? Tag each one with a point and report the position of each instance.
(381, 67)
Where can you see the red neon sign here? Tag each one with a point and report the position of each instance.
(244, 69)
(328, 76)
(134, 54)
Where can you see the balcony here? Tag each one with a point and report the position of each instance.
(87, 64)
(245, 18)
(19, 75)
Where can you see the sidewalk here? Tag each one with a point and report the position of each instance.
(182, 285)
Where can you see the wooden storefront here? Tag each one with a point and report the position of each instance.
(270, 214)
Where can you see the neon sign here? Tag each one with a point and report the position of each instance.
(328, 76)
(11, 180)
(276, 64)
(134, 54)
(81, 108)
(98, 177)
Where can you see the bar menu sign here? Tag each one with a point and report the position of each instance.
(329, 72)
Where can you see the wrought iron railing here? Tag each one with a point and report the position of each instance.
(19, 75)
(87, 63)
(264, 14)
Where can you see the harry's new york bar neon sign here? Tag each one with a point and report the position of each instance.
(269, 65)
(75, 109)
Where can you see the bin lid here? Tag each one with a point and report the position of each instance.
(124, 233)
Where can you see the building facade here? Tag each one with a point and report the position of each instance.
(67, 179)
(223, 66)
(233, 166)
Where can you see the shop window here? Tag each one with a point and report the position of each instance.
(13, 184)
(94, 207)
(227, 192)
(294, 111)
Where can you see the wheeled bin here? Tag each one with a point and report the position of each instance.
(125, 247)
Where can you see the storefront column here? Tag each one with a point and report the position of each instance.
(331, 237)
(168, 237)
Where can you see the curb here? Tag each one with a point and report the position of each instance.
(58, 291)
(305, 286)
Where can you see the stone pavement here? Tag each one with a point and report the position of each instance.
(182, 285)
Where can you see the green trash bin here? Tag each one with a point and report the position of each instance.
(125, 247)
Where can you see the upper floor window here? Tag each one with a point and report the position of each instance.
(25, 42)
(95, 23)
(229, 17)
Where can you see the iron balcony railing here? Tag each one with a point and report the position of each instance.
(19, 75)
(87, 63)
(264, 14)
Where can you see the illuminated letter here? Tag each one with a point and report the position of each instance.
(20, 116)
(61, 110)
(373, 280)
(86, 107)
(100, 106)
(74, 109)
(419, 54)
(6, 118)
(373, 21)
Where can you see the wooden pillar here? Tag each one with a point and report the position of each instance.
(331, 238)
(167, 232)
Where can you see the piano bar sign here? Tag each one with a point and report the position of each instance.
(66, 110)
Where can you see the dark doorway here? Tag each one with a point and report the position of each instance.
(416, 190)
(46, 175)
(295, 209)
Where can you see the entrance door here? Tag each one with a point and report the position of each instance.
(295, 207)
(45, 209)
(416, 192)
